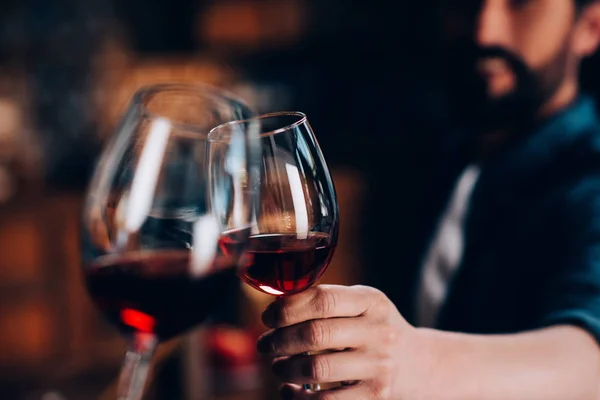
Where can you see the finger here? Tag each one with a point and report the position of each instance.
(316, 335)
(348, 365)
(323, 301)
(360, 391)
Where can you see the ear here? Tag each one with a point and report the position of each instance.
(586, 36)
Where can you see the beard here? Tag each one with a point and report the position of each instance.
(517, 109)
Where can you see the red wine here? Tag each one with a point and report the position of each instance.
(158, 291)
(284, 264)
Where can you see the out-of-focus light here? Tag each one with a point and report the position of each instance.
(52, 396)
(138, 320)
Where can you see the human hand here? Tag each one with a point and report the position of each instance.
(359, 319)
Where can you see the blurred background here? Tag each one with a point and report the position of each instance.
(366, 75)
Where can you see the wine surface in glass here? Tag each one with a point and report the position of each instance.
(158, 291)
(281, 264)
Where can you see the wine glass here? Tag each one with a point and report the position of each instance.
(159, 208)
(295, 224)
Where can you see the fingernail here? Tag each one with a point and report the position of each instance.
(287, 393)
(268, 316)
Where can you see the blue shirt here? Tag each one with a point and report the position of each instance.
(532, 235)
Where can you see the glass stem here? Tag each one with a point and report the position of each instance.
(136, 367)
(315, 387)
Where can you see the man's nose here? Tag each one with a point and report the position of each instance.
(492, 26)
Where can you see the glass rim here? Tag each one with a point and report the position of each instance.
(302, 119)
(205, 90)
